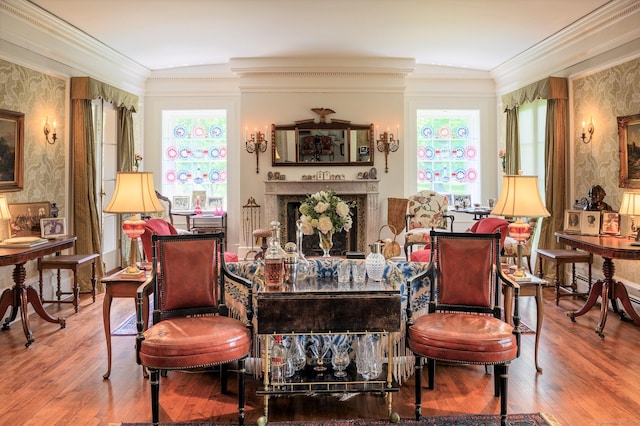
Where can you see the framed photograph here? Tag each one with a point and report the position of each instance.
(462, 200)
(201, 195)
(53, 227)
(25, 218)
(590, 222)
(610, 223)
(181, 202)
(629, 148)
(11, 150)
(572, 219)
(214, 202)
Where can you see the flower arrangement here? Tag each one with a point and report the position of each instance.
(137, 158)
(324, 212)
(501, 156)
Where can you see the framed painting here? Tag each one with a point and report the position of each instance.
(198, 197)
(629, 148)
(53, 227)
(610, 223)
(11, 150)
(181, 202)
(572, 221)
(590, 222)
(25, 218)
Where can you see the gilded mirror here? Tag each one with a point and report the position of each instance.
(311, 143)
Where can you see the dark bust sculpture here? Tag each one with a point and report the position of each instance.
(596, 195)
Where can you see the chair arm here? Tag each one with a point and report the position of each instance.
(427, 275)
(245, 283)
(141, 293)
(516, 304)
(451, 218)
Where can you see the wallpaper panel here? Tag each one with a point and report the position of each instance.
(602, 97)
(39, 96)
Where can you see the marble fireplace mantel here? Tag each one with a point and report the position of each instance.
(367, 188)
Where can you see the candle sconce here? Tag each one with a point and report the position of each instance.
(257, 143)
(387, 143)
(47, 130)
(590, 130)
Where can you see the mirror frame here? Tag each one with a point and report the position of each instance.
(310, 126)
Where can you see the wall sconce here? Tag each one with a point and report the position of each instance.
(47, 130)
(257, 143)
(387, 143)
(589, 130)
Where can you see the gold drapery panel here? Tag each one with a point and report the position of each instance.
(556, 91)
(86, 217)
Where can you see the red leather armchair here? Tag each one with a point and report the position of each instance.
(464, 322)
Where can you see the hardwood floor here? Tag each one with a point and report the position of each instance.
(58, 379)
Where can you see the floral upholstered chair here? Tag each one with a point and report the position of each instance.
(426, 210)
(510, 247)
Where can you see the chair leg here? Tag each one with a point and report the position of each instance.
(431, 366)
(418, 376)
(224, 375)
(504, 379)
(241, 391)
(154, 378)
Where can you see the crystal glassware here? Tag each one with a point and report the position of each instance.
(319, 349)
(340, 360)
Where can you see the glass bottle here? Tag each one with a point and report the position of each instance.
(274, 258)
(303, 263)
(290, 263)
(375, 262)
(277, 360)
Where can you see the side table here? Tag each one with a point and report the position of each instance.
(118, 286)
(533, 287)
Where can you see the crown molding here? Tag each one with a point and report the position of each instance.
(318, 66)
(611, 26)
(31, 28)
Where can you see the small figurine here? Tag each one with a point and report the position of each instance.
(596, 195)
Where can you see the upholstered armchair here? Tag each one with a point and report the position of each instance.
(426, 210)
(191, 327)
(463, 324)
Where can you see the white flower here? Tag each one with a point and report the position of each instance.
(342, 209)
(324, 224)
(321, 207)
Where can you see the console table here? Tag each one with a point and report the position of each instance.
(609, 248)
(20, 295)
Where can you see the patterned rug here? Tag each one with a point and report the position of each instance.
(535, 419)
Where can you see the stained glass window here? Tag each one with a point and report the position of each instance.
(448, 147)
(194, 158)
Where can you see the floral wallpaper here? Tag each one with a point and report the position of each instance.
(40, 97)
(602, 97)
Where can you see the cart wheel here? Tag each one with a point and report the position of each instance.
(262, 421)
(394, 417)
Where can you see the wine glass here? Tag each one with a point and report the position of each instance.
(340, 360)
(297, 352)
(319, 349)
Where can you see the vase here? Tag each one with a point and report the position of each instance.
(326, 242)
(375, 263)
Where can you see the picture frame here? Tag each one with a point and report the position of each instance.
(213, 203)
(590, 222)
(572, 221)
(462, 200)
(53, 227)
(629, 149)
(195, 195)
(610, 223)
(181, 202)
(25, 218)
(12, 147)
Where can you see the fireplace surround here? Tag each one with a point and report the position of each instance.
(364, 193)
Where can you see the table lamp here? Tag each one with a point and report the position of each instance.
(134, 193)
(631, 207)
(5, 214)
(520, 198)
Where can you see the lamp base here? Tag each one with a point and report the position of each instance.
(132, 272)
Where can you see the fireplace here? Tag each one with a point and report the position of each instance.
(282, 199)
(343, 241)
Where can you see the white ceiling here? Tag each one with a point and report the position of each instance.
(473, 34)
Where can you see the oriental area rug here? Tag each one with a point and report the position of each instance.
(535, 419)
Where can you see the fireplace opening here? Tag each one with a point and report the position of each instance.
(343, 241)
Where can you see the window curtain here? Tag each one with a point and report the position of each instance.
(555, 90)
(86, 218)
